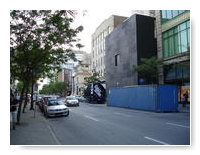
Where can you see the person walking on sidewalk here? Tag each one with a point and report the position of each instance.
(13, 111)
(186, 96)
(183, 100)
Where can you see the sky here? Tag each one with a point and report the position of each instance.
(91, 20)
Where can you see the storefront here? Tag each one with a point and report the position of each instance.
(179, 74)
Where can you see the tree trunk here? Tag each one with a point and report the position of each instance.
(20, 104)
(25, 85)
(26, 99)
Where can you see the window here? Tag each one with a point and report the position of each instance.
(176, 44)
(116, 60)
(167, 15)
(183, 37)
(176, 40)
(177, 72)
(171, 46)
(164, 16)
(188, 33)
(165, 48)
(181, 11)
(174, 13)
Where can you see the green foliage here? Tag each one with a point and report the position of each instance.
(94, 78)
(19, 86)
(148, 68)
(38, 37)
(59, 88)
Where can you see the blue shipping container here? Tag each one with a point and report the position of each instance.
(159, 98)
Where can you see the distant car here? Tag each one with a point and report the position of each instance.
(80, 98)
(71, 101)
(61, 102)
(55, 108)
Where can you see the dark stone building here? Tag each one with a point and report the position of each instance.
(125, 46)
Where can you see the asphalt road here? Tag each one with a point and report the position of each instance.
(97, 124)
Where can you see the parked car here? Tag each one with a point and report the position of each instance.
(71, 101)
(39, 99)
(44, 100)
(80, 98)
(61, 102)
(55, 108)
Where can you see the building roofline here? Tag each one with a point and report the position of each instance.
(112, 16)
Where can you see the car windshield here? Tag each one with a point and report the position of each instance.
(53, 103)
(71, 98)
(52, 99)
(61, 102)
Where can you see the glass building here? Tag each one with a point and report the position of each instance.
(176, 40)
(175, 43)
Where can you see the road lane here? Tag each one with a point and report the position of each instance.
(157, 141)
(175, 124)
(94, 119)
(91, 124)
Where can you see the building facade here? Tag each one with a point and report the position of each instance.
(173, 44)
(81, 71)
(125, 46)
(98, 43)
(69, 70)
(65, 75)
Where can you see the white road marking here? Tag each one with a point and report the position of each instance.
(183, 126)
(52, 133)
(122, 114)
(94, 119)
(155, 140)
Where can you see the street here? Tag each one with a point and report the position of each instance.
(99, 124)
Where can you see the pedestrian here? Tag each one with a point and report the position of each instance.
(13, 111)
(183, 100)
(186, 96)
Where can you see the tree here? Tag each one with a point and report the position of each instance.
(42, 41)
(94, 78)
(148, 69)
(59, 88)
(19, 86)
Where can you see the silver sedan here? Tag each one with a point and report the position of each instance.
(71, 101)
(56, 108)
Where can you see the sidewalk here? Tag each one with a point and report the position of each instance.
(184, 109)
(32, 130)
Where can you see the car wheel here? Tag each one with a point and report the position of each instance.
(47, 115)
(67, 114)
